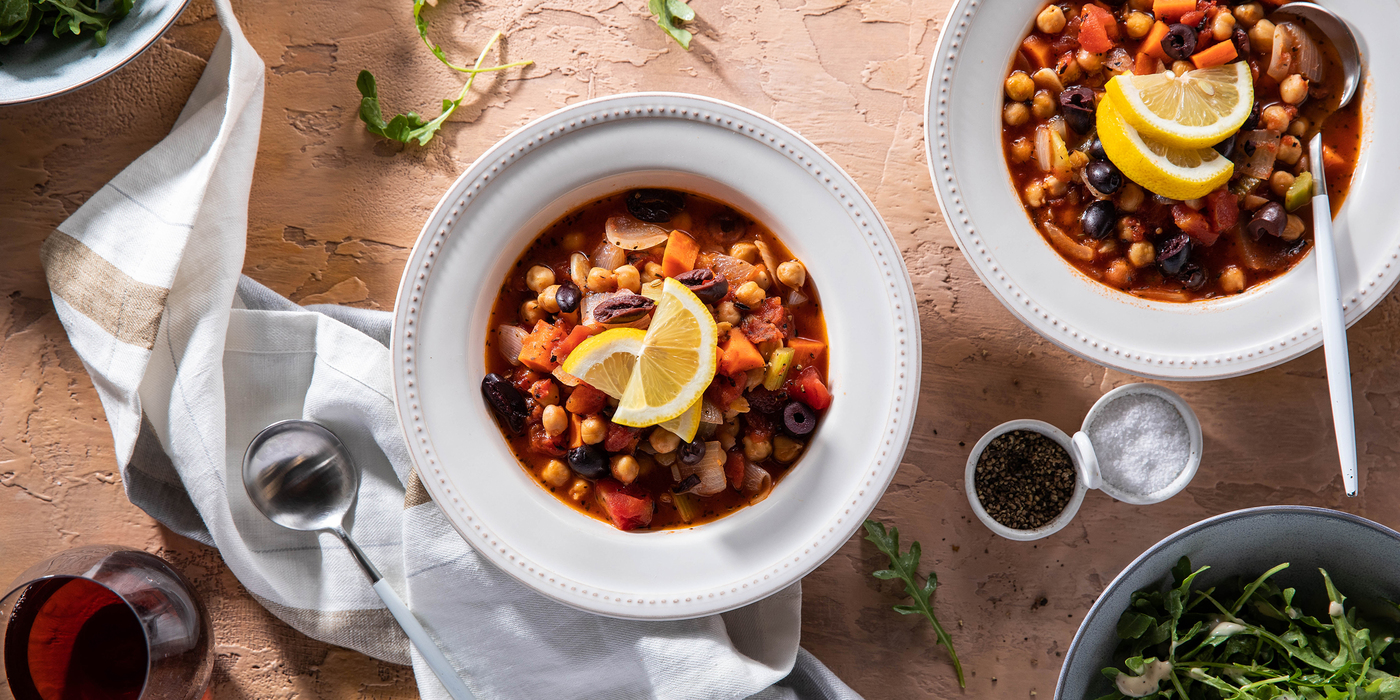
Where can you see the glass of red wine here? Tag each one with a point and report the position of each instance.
(103, 623)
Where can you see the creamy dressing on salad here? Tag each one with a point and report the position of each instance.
(1146, 684)
(1335, 609)
(1226, 629)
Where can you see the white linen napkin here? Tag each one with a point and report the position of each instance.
(190, 363)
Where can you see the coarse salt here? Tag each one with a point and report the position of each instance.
(1142, 443)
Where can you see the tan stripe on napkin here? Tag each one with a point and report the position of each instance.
(122, 305)
(415, 494)
(373, 632)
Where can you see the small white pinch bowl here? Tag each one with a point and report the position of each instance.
(1086, 464)
(1260, 328)
(568, 158)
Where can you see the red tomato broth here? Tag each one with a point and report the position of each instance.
(553, 248)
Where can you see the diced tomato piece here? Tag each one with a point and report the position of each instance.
(725, 388)
(1331, 159)
(629, 507)
(1037, 52)
(759, 427)
(760, 331)
(1095, 30)
(622, 438)
(1194, 224)
(808, 388)
(1192, 18)
(1224, 210)
(773, 311)
(541, 442)
(538, 350)
(586, 400)
(540, 390)
(523, 378)
(734, 468)
(576, 336)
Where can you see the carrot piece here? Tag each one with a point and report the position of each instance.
(1331, 159)
(739, 355)
(806, 352)
(1172, 10)
(1217, 55)
(1144, 65)
(1038, 51)
(537, 352)
(575, 430)
(680, 254)
(1152, 43)
(1093, 35)
(576, 336)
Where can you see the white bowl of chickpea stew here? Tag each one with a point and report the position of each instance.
(492, 283)
(1201, 288)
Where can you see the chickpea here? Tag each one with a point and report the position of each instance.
(1280, 182)
(555, 473)
(1035, 195)
(548, 299)
(786, 449)
(1043, 105)
(747, 252)
(602, 280)
(1232, 277)
(792, 273)
(726, 312)
(762, 278)
(578, 270)
(722, 331)
(1021, 149)
(1274, 118)
(757, 451)
(625, 468)
(1131, 198)
(1293, 89)
(531, 313)
(749, 294)
(1019, 86)
(627, 277)
(1015, 114)
(1142, 254)
(593, 429)
(1261, 36)
(1090, 62)
(539, 277)
(1223, 27)
(1051, 20)
(1139, 24)
(555, 420)
(1299, 127)
(1292, 228)
(652, 272)
(1119, 273)
(579, 490)
(1290, 149)
(663, 440)
(1055, 187)
(1196, 204)
(546, 392)
(1047, 79)
(1182, 67)
(1250, 13)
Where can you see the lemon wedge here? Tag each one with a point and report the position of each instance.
(1194, 110)
(1177, 173)
(675, 364)
(687, 424)
(606, 360)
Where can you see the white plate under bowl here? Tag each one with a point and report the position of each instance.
(49, 65)
(1265, 326)
(566, 159)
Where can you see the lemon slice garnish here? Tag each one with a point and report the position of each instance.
(687, 424)
(1177, 173)
(606, 360)
(676, 362)
(1194, 110)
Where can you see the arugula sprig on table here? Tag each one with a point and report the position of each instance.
(905, 567)
(410, 126)
(22, 19)
(667, 13)
(1250, 641)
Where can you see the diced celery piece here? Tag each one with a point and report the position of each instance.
(778, 366)
(686, 506)
(1300, 193)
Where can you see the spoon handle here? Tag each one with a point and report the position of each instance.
(1334, 333)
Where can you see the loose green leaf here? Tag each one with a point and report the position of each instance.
(668, 12)
(22, 19)
(905, 566)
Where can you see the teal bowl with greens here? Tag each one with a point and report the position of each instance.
(1247, 626)
(35, 64)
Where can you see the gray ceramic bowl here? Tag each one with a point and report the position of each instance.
(1362, 557)
(49, 66)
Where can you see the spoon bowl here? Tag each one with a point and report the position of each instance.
(300, 476)
(1341, 36)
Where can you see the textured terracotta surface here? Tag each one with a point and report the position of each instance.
(334, 212)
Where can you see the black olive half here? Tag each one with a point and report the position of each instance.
(568, 297)
(1099, 219)
(1192, 277)
(1227, 147)
(1079, 104)
(507, 402)
(1096, 149)
(588, 462)
(706, 285)
(692, 452)
(799, 419)
(654, 206)
(1172, 257)
(1180, 42)
(1103, 176)
(1270, 219)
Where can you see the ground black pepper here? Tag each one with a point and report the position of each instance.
(1024, 479)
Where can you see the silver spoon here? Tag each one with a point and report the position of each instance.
(1334, 330)
(301, 477)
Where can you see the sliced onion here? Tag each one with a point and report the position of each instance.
(510, 340)
(797, 298)
(710, 413)
(1119, 61)
(739, 405)
(1067, 245)
(1294, 52)
(757, 482)
(565, 378)
(1259, 149)
(770, 261)
(630, 234)
(710, 468)
(1050, 152)
(733, 270)
(609, 256)
(1057, 123)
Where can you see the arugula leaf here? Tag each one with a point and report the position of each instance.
(22, 19)
(667, 12)
(905, 566)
